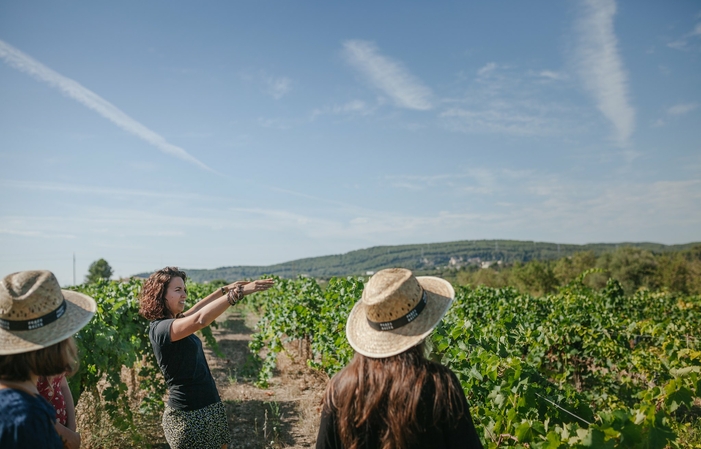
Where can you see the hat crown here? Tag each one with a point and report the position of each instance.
(28, 295)
(391, 294)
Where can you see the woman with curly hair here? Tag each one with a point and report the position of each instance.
(390, 396)
(194, 416)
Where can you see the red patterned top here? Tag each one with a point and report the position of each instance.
(50, 389)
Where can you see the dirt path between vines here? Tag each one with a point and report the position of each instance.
(286, 414)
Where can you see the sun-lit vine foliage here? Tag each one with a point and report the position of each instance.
(578, 368)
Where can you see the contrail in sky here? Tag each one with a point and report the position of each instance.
(73, 89)
(388, 75)
(601, 67)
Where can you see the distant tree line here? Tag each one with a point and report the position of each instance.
(634, 268)
(429, 257)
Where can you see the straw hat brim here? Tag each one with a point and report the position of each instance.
(379, 344)
(80, 309)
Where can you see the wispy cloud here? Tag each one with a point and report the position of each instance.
(681, 109)
(354, 107)
(683, 42)
(101, 191)
(388, 75)
(72, 89)
(277, 87)
(675, 111)
(487, 69)
(501, 99)
(473, 181)
(551, 75)
(601, 67)
(272, 85)
(24, 233)
(499, 117)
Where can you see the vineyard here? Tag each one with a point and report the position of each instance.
(577, 368)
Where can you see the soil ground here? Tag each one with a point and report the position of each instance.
(284, 415)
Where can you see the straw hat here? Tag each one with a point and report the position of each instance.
(35, 313)
(397, 311)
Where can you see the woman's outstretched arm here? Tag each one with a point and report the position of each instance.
(208, 309)
(216, 294)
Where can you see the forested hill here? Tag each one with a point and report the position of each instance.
(423, 257)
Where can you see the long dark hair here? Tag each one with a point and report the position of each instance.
(152, 300)
(385, 394)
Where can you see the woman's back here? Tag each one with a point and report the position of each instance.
(407, 402)
(26, 421)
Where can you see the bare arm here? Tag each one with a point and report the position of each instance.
(212, 297)
(71, 439)
(208, 309)
(70, 406)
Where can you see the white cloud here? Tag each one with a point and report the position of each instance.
(549, 74)
(505, 100)
(681, 109)
(499, 117)
(102, 191)
(546, 204)
(278, 87)
(678, 44)
(276, 123)
(70, 88)
(24, 233)
(388, 75)
(473, 181)
(683, 42)
(354, 107)
(601, 68)
(487, 69)
(676, 110)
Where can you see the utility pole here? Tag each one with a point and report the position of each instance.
(73, 268)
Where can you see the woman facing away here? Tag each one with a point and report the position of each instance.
(37, 321)
(194, 416)
(390, 396)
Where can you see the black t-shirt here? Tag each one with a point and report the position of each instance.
(460, 435)
(27, 421)
(184, 367)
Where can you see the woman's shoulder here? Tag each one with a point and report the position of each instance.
(17, 402)
(159, 331)
(26, 420)
(160, 324)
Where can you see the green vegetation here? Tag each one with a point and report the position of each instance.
(98, 270)
(633, 268)
(578, 368)
(429, 257)
(586, 350)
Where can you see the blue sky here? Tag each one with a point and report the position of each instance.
(207, 134)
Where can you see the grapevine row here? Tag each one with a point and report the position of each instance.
(580, 368)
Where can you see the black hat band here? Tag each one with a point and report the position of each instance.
(403, 321)
(36, 323)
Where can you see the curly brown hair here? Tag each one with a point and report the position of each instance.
(152, 300)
